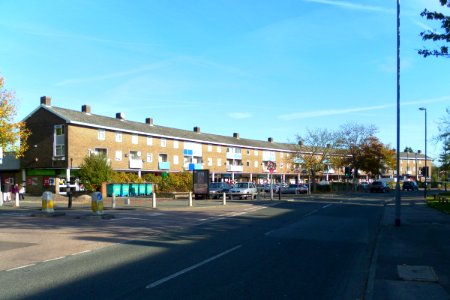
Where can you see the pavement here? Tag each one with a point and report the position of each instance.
(410, 261)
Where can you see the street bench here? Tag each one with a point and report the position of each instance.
(180, 195)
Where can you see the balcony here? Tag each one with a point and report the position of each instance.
(135, 163)
(164, 165)
(192, 167)
(232, 155)
(231, 168)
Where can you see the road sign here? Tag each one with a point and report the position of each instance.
(271, 166)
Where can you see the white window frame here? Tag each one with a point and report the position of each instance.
(219, 162)
(118, 155)
(175, 160)
(175, 144)
(210, 161)
(134, 139)
(256, 152)
(101, 134)
(118, 136)
(163, 143)
(255, 164)
(149, 141)
(219, 149)
(209, 148)
(149, 157)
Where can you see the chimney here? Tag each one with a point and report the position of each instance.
(270, 140)
(197, 129)
(46, 100)
(236, 135)
(120, 116)
(300, 143)
(149, 121)
(86, 109)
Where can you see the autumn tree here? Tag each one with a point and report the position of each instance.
(352, 139)
(375, 156)
(13, 135)
(436, 36)
(314, 151)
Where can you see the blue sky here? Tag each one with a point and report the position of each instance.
(259, 68)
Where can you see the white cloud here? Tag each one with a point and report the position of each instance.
(352, 6)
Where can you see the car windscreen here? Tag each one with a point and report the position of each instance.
(242, 185)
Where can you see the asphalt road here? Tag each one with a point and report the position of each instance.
(318, 249)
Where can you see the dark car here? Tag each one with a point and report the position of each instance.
(216, 189)
(410, 186)
(379, 187)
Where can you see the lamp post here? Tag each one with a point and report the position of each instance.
(426, 170)
(417, 174)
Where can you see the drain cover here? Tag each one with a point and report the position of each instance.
(417, 273)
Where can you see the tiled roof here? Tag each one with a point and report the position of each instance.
(99, 121)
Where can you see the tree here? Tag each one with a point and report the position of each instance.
(13, 135)
(351, 139)
(375, 156)
(314, 151)
(94, 170)
(435, 36)
(408, 150)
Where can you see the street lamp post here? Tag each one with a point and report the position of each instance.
(426, 170)
(417, 171)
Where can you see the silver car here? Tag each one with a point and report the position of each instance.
(244, 190)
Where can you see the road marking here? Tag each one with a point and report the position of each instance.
(161, 281)
(52, 259)
(21, 267)
(81, 252)
(328, 205)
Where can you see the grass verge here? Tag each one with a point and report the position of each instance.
(436, 204)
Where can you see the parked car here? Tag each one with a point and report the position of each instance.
(379, 187)
(216, 189)
(363, 186)
(295, 189)
(244, 190)
(410, 186)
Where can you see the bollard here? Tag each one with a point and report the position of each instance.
(17, 199)
(153, 200)
(279, 193)
(1, 198)
(113, 200)
(97, 203)
(224, 201)
(47, 202)
(190, 198)
(69, 205)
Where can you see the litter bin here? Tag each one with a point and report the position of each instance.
(134, 189)
(113, 189)
(47, 202)
(125, 190)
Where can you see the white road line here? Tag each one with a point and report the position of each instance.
(21, 267)
(328, 205)
(161, 281)
(81, 252)
(52, 259)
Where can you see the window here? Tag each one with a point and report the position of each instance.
(101, 134)
(59, 144)
(149, 141)
(219, 149)
(163, 142)
(175, 144)
(248, 163)
(256, 152)
(255, 164)
(209, 161)
(134, 139)
(100, 151)
(281, 154)
(219, 162)
(118, 155)
(149, 157)
(248, 152)
(135, 155)
(175, 159)
(209, 148)
(119, 137)
(162, 158)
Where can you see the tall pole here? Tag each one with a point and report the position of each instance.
(426, 170)
(397, 186)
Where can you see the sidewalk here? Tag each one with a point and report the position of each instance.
(411, 261)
